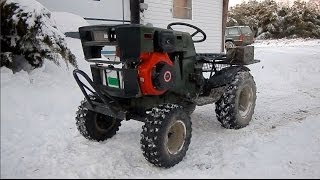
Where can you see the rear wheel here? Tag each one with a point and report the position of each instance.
(96, 126)
(229, 44)
(166, 135)
(235, 108)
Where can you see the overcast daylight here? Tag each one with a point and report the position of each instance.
(235, 2)
(160, 89)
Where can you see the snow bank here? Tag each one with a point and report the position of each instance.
(68, 22)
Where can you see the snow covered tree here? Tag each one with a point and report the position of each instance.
(27, 31)
(269, 20)
(257, 15)
(301, 21)
(314, 5)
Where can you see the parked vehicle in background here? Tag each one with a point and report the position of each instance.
(238, 36)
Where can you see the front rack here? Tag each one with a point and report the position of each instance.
(105, 104)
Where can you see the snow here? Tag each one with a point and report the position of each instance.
(39, 138)
(284, 2)
(34, 9)
(298, 42)
(68, 22)
(28, 6)
(41, 36)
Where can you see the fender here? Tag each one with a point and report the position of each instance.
(225, 76)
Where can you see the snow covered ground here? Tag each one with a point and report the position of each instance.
(299, 42)
(39, 138)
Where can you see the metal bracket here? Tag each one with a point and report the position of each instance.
(108, 102)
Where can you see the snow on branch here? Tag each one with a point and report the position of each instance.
(27, 30)
(268, 19)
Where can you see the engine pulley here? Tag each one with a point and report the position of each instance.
(156, 73)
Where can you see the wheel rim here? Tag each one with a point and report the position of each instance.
(176, 137)
(245, 101)
(103, 124)
(229, 45)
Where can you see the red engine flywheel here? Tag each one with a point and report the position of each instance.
(156, 73)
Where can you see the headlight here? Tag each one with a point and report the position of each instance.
(100, 36)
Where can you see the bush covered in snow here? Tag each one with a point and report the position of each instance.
(28, 31)
(269, 20)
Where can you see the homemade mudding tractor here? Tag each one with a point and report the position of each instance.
(155, 76)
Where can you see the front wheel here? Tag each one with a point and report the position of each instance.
(189, 108)
(235, 108)
(166, 135)
(96, 126)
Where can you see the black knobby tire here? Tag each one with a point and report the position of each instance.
(166, 135)
(189, 108)
(235, 108)
(95, 126)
